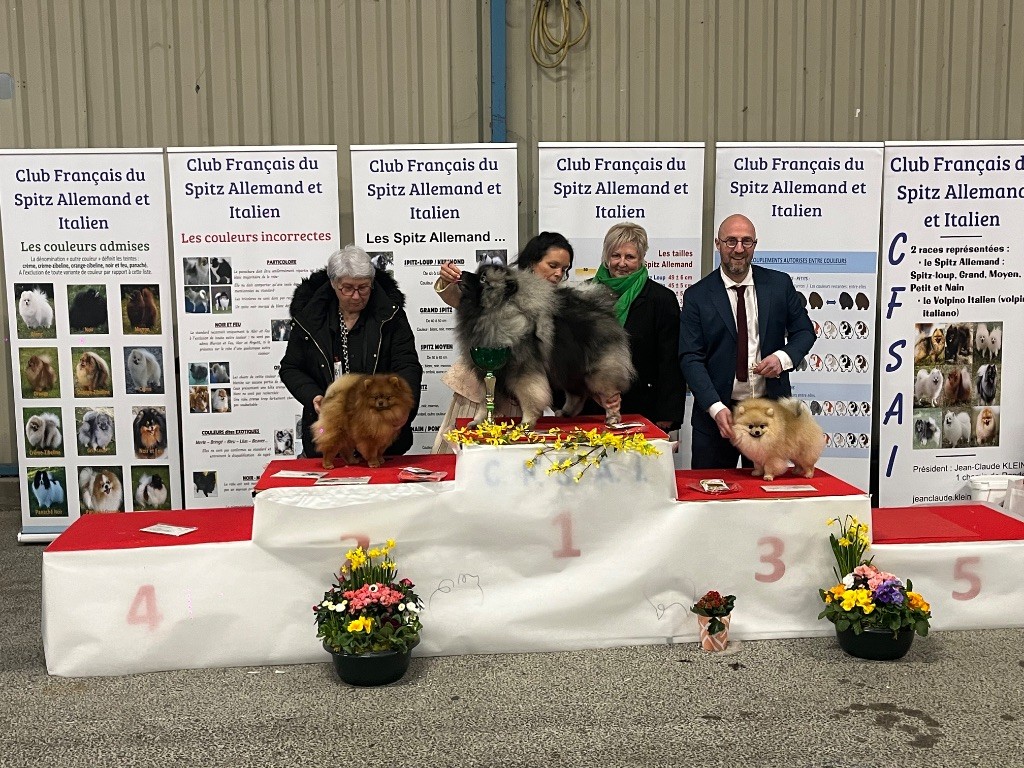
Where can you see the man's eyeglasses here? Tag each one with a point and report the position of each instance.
(746, 242)
(349, 290)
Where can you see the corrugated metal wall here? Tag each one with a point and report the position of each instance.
(126, 73)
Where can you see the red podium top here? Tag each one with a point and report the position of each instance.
(440, 462)
(943, 523)
(750, 487)
(122, 530)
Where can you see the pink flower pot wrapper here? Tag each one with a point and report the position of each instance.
(718, 641)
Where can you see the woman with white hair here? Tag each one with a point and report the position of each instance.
(650, 313)
(348, 318)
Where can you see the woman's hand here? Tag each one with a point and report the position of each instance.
(450, 273)
(316, 402)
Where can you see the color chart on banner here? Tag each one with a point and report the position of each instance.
(85, 250)
(816, 209)
(417, 207)
(953, 314)
(585, 188)
(248, 224)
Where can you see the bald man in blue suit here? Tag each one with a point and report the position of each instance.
(779, 336)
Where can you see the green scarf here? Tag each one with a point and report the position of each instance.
(626, 288)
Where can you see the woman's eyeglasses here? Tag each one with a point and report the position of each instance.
(349, 290)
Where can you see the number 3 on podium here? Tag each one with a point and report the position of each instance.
(773, 557)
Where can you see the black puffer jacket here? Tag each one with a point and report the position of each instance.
(381, 341)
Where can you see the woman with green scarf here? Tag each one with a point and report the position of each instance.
(650, 313)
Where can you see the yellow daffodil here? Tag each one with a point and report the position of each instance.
(844, 542)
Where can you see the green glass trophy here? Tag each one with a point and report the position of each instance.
(489, 360)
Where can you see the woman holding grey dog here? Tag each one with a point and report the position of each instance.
(650, 313)
(548, 255)
(348, 318)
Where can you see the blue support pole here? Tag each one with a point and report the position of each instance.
(499, 132)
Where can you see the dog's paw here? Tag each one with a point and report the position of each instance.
(769, 477)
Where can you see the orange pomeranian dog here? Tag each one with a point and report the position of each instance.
(772, 433)
(361, 413)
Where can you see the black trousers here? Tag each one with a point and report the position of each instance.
(712, 451)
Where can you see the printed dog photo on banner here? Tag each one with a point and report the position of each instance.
(926, 428)
(222, 300)
(95, 430)
(499, 257)
(198, 399)
(44, 436)
(35, 315)
(220, 400)
(384, 260)
(140, 309)
(198, 373)
(220, 270)
(92, 372)
(46, 492)
(284, 443)
(280, 330)
(144, 370)
(39, 372)
(986, 426)
(87, 309)
(150, 487)
(204, 484)
(197, 301)
(149, 431)
(220, 372)
(100, 489)
(196, 271)
(956, 428)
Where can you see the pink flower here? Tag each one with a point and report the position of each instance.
(866, 571)
(880, 578)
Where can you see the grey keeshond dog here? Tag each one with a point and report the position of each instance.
(560, 338)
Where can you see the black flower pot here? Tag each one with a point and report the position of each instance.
(875, 643)
(373, 668)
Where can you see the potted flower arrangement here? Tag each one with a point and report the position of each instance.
(569, 452)
(874, 612)
(713, 616)
(369, 620)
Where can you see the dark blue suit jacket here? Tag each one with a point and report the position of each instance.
(707, 337)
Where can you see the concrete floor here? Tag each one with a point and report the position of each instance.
(955, 699)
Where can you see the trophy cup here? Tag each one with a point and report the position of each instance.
(489, 360)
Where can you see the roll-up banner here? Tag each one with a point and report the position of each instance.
(91, 341)
(585, 188)
(416, 207)
(816, 209)
(248, 223)
(952, 302)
